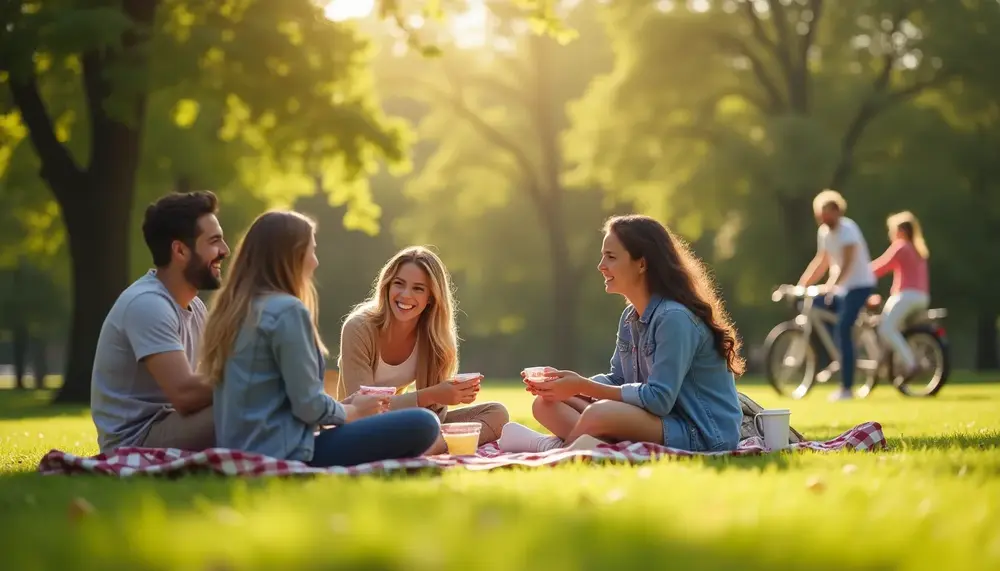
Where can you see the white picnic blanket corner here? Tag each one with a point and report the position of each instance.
(170, 462)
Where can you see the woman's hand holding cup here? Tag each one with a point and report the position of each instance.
(362, 406)
(462, 389)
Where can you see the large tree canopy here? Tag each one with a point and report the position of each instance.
(730, 115)
(280, 87)
(493, 132)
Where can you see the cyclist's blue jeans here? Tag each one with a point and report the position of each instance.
(847, 308)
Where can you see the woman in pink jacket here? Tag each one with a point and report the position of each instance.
(906, 258)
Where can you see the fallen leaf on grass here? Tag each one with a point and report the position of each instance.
(228, 516)
(339, 523)
(815, 484)
(614, 495)
(79, 508)
(489, 519)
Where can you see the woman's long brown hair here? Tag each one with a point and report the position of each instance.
(674, 272)
(269, 259)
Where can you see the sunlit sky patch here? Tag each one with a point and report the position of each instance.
(469, 28)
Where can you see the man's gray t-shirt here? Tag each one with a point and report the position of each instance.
(125, 399)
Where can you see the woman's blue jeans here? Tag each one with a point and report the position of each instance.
(387, 436)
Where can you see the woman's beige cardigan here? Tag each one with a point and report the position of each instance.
(359, 357)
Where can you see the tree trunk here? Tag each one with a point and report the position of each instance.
(20, 349)
(20, 327)
(39, 361)
(549, 200)
(987, 342)
(96, 201)
(97, 228)
(799, 230)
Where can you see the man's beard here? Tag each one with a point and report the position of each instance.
(199, 274)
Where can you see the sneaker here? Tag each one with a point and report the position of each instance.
(841, 394)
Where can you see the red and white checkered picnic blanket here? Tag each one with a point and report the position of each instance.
(126, 462)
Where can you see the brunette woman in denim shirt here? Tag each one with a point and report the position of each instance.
(263, 353)
(672, 377)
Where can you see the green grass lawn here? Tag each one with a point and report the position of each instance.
(931, 501)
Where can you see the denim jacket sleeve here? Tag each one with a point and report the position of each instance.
(616, 377)
(295, 353)
(676, 339)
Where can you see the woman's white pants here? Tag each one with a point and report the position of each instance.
(897, 308)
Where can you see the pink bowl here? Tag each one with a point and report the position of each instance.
(381, 391)
(537, 374)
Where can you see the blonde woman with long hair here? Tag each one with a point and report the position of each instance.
(906, 257)
(263, 353)
(405, 334)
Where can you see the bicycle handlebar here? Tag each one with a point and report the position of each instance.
(797, 292)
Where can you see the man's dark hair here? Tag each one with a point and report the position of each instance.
(175, 217)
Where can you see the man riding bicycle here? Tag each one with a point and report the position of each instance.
(841, 249)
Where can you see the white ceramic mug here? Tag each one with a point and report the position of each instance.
(774, 425)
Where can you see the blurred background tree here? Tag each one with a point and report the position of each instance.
(509, 130)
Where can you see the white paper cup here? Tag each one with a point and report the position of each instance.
(774, 425)
(464, 377)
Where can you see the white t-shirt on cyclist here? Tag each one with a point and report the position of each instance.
(833, 242)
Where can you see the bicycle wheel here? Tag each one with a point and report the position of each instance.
(869, 364)
(790, 361)
(931, 354)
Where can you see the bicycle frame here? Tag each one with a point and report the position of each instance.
(817, 321)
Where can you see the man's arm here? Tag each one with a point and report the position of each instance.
(816, 268)
(152, 327)
(187, 391)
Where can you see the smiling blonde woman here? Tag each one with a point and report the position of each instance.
(405, 334)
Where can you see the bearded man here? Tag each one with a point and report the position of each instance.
(144, 389)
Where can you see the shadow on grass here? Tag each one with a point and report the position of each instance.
(965, 398)
(24, 490)
(26, 404)
(762, 463)
(143, 510)
(988, 441)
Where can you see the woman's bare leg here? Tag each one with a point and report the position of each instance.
(617, 421)
(559, 417)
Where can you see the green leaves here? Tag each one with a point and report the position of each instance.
(56, 29)
(74, 30)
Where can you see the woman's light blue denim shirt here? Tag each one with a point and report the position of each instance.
(666, 363)
(271, 399)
